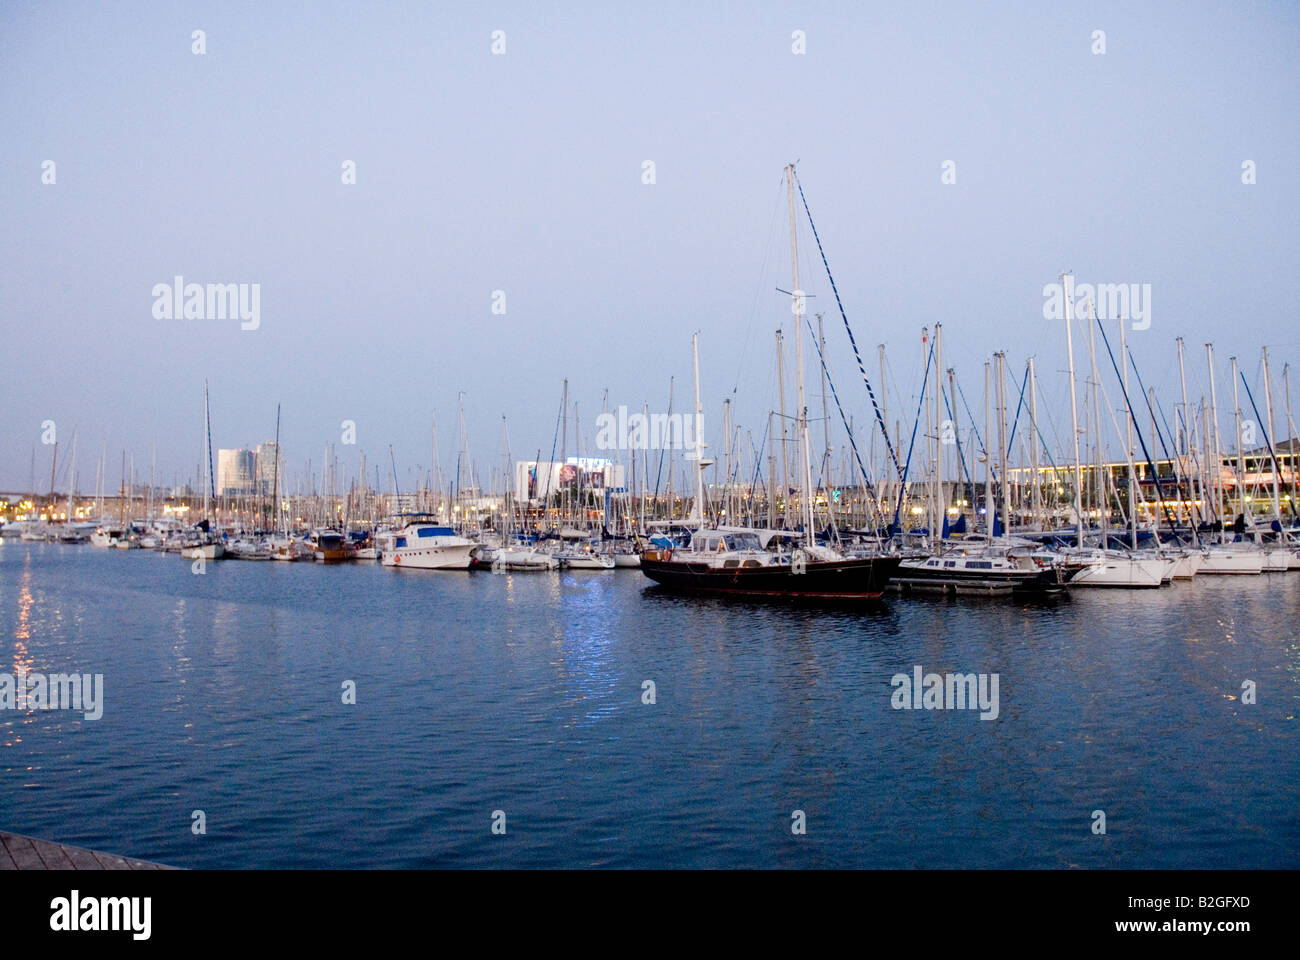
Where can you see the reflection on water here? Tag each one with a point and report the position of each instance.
(523, 692)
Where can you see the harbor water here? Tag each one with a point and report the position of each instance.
(521, 702)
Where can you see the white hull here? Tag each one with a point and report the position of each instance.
(1187, 565)
(207, 551)
(524, 561)
(588, 561)
(1122, 570)
(452, 557)
(1221, 561)
(1276, 560)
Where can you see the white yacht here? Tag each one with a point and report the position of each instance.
(426, 545)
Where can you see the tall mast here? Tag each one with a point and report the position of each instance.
(801, 400)
(1268, 404)
(1216, 448)
(1290, 432)
(1101, 475)
(826, 419)
(1035, 492)
(1186, 447)
(990, 509)
(671, 459)
(207, 445)
(785, 452)
(938, 437)
(72, 475)
(1004, 473)
(275, 471)
(884, 419)
(1241, 462)
(1067, 282)
(697, 510)
(1133, 492)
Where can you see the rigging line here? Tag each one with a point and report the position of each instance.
(856, 353)
(970, 416)
(830, 382)
(902, 486)
(1268, 442)
(1178, 477)
(961, 457)
(1155, 474)
(1011, 441)
(758, 461)
(555, 437)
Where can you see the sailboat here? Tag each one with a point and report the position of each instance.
(732, 560)
(201, 544)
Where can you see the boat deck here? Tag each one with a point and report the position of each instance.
(27, 853)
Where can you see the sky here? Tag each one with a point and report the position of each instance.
(503, 232)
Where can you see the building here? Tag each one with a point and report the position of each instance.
(540, 480)
(270, 468)
(236, 473)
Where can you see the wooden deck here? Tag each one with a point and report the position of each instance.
(28, 853)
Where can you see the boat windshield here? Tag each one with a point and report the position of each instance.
(720, 542)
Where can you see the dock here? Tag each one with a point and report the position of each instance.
(27, 853)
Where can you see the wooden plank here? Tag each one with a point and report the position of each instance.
(82, 859)
(52, 855)
(27, 853)
(24, 854)
(110, 861)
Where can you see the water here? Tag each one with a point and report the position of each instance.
(478, 693)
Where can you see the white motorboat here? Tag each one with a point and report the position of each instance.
(426, 545)
(107, 537)
(523, 560)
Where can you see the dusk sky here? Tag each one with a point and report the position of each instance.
(522, 172)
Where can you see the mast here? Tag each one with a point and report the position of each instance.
(939, 501)
(1290, 431)
(1067, 281)
(1035, 492)
(697, 510)
(826, 419)
(771, 473)
(1215, 442)
(1186, 447)
(1268, 406)
(1133, 493)
(671, 459)
(785, 455)
(1004, 473)
(207, 443)
(884, 420)
(801, 400)
(72, 476)
(990, 509)
(1102, 476)
(1241, 462)
(275, 472)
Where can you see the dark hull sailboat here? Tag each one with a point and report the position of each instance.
(854, 578)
